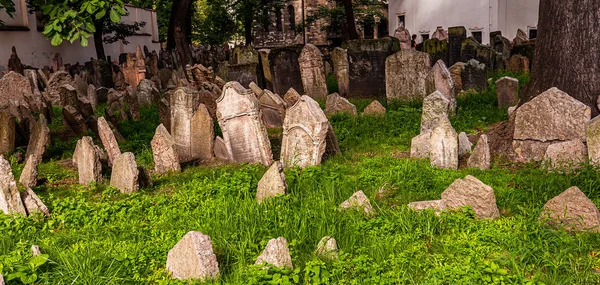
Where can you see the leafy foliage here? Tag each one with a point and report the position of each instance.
(9, 8)
(213, 22)
(365, 12)
(115, 31)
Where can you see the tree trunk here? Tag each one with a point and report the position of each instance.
(178, 32)
(98, 44)
(567, 55)
(350, 22)
(248, 30)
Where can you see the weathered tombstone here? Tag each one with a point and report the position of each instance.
(242, 73)
(68, 95)
(165, 75)
(440, 34)
(305, 130)
(404, 37)
(80, 85)
(456, 35)
(7, 132)
(182, 105)
(592, 132)
(285, 69)
(339, 57)
(337, 104)
(39, 139)
(435, 106)
(374, 109)
(405, 75)
(108, 139)
(538, 123)
(53, 90)
(474, 76)
(73, 120)
(15, 87)
(507, 91)
(125, 173)
(57, 62)
(464, 144)
(359, 201)
(10, 198)
(502, 47)
(573, 210)
(327, 248)
(566, 155)
(102, 74)
(29, 174)
(419, 145)
(266, 67)
(276, 253)
(165, 156)
(193, 258)
(244, 133)
(456, 74)
(521, 37)
(440, 79)
(313, 72)
(202, 134)
(272, 183)
(291, 97)
(220, 149)
(471, 192)
(134, 69)
(368, 66)
(272, 109)
(86, 158)
(437, 49)
(443, 147)
(33, 203)
(146, 92)
(255, 89)
(517, 63)
(480, 158)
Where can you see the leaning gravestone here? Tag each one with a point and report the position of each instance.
(220, 149)
(7, 132)
(244, 133)
(185, 120)
(165, 156)
(10, 198)
(443, 147)
(29, 174)
(464, 144)
(305, 131)
(456, 35)
(56, 81)
(474, 76)
(266, 67)
(507, 91)
(313, 72)
(337, 104)
(456, 74)
(107, 136)
(68, 95)
(538, 123)
(39, 139)
(272, 108)
(339, 57)
(74, 120)
(272, 183)
(368, 66)
(89, 168)
(440, 79)
(480, 158)
(435, 106)
(202, 134)
(403, 36)
(125, 173)
(572, 210)
(193, 258)
(146, 93)
(405, 75)
(440, 34)
(33, 203)
(14, 87)
(291, 97)
(285, 69)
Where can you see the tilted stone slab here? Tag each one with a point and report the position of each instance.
(10, 198)
(108, 139)
(86, 158)
(33, 203)
(272, 183)
(39, 139)
(440, 79)
(480, 158)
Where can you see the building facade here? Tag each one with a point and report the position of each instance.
(479, 17)
(24, 31)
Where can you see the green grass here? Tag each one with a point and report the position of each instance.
(98, 236)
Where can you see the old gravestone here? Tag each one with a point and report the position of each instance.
(272, 183)
(74, 120)
(39, 139)
(7, 132)
(191, 125)
(507, 91)
(440, 79)
(456, 74)
(339, 57)
(435, 106)
(56, 81)
(437, 49)
(165, 156)
(266, 66)
(16, 88)
(538, 124)
(443, 147)
(440, 34)
(291, 97)
(405, 75)
(337, 104)
(305, 133)
(272, 108)
(592, 132)
(134, 68)
(147, 94)
(456, 35)
(312, 71)
(86, 158)
(359, 201)
(68, 95)
(193, 258)
(285, 69)
(471, 192)
(367, 67)
(202, 134)
(108, 139)
(29, 174)
(374, 109)
(276, 254)
(573, 210)
(404, 38)
(244, 133)
(14, 62)
(474, 76)
(565, 156)
(125, 174)
(517, 63)
(10, 198)
(480, 158)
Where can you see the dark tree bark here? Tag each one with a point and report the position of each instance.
(350, 22)
(567, 53)
(98, 43)
(179, 30)
(248, 30)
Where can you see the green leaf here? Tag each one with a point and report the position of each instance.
(48, 28)
(90, 27)
(114, 16)
(56, 40)
(84, 42)
(100, 14)
(90, 9)
(39, 260)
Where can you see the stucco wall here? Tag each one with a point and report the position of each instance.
(35, 50)
(423, 16)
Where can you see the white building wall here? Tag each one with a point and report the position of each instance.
(423, 16)
(35, 50)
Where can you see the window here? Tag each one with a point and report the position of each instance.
(478, 36)
(424, 37)
(532, 33)
(382, 28)
(278, 24)
(292, 17)
(401, 21)
(265, 21)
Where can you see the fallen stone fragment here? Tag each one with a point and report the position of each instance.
(29, 174)
(10, 198)
(327, 248)
(272, 183)
(566, 155)
(374, 109)
(470, 191)
(276, 253)
(436, 205)
(572, 210)
(337, 104)
(291, 97)
(35, 250)
(33, 203)
(464, 144)
(193, 258)
(359, 201)
(480, 158)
